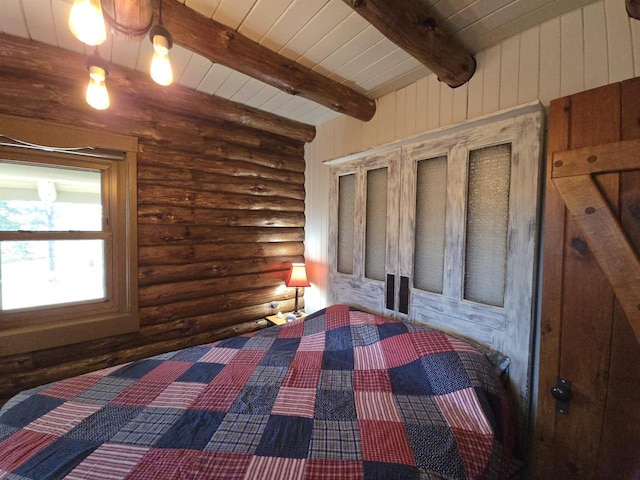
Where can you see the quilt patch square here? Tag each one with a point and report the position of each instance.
(398, 350)
(62, 419)
(238, 433)
(409, 379)
(377, 406)
(47, 464)
(139, 394)
(219, 355)
(270, 468)
(390, 471)
(325, 469)
(312, 343)
(136, 370)
(69, 388)
(104, 424)
(223, 465)
(277, 359)
(233, 342)
(338, 339)
(338, 360)
(277, 436)
(385, 442)
(363, 335)
(178, 395)
(259, 343)
(335, 405)
(165, 463)
(107, 462)
(147, 427)
(28, 410)
(456, 378)
(420, 410)
(336, 380)
(391, 329)
(428, 342)
(292, 329)
(192, 354)
(255, 400)
(264, 375)
(192, 430)
(335, 440)
(14, 449)
(167, 372)
(104, 391)
(301, 378)
(371, 381)
(369, 357)
(202, 372)
(307, 360)
(285, 345)
(299, 402)
(217, 397)
(436, 449)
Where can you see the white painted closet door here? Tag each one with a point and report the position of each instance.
(363, 231)
(488, 232)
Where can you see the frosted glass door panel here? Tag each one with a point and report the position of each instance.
(431, 195)
(487, 224)
(376, 236)
(346, 222)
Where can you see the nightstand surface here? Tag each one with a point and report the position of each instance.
(283, 319)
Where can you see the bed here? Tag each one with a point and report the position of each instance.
(341, 394)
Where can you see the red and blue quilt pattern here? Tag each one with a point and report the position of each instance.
(342, 394)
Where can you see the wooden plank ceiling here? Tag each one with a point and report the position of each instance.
(326, 36)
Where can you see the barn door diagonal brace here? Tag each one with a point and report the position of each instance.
(607, 240)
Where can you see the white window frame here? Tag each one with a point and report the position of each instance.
(37, 328)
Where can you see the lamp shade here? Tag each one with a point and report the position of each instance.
(297, 276)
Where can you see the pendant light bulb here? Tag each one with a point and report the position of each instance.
(87, 23)
(97, 95)
(161, 71)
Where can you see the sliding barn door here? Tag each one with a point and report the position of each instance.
(590, 333)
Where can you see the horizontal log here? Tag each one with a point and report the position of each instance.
(184, 179)
(187, 290)
(157, 274)
(179, 254)
(226, 46)
(163, 195)
(260, 157)
(224, 218)
(130, 87)
(214, 303)
(215, 164)
(415, 30)
(149, 235)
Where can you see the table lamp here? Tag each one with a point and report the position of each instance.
(297, 278)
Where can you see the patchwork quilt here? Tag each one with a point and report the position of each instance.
(342, 394)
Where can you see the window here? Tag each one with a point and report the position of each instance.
(68, 259)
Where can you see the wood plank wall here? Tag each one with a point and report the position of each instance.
(220, 215)
(583, 49)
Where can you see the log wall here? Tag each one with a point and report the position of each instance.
(220, 207)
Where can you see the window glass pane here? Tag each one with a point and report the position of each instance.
(36, 198)
(346, 222)
(431, 192)
(376, 237)
(487, 223)
(39, 273)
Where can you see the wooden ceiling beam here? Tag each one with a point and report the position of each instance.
(633, 8)
(224, 45)
(127, 86)
(412, 27)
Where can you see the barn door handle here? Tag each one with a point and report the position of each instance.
(391, 291)
(562, 393)
(403, 307)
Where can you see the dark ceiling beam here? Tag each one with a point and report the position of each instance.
(410, 25)
(224, 45)
(633, 8)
